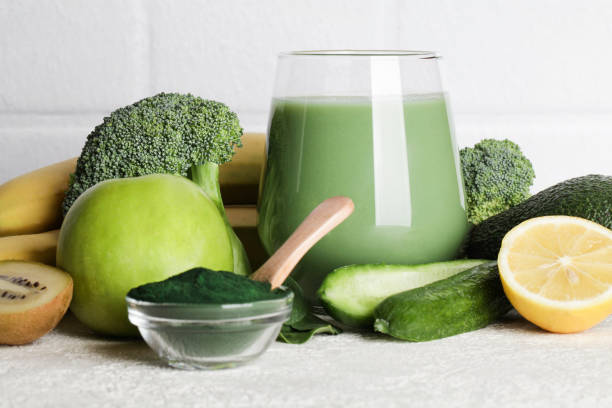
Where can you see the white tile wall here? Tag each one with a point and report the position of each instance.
(519, 56)
(537, 72)
(71, 56)
(227, 49)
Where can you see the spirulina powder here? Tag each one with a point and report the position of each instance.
(201, 285)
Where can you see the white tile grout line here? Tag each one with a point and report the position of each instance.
(145, 50)
(515, 120)
(390, 20)
(148, 46)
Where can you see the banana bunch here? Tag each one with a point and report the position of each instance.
(30, 247)
(30, 205)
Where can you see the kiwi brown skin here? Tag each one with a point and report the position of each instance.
(25, 327)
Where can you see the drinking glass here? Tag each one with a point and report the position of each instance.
(372, 126)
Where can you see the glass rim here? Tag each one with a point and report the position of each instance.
(207, 320)
(362, 53)
(280, 301)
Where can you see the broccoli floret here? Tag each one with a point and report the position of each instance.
(166, 133)
(496, 175)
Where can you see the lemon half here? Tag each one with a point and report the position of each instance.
(557, 272)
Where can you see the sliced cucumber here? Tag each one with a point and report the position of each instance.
(351, 293)
(464, 302)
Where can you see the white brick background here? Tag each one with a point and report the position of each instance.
(538, 72)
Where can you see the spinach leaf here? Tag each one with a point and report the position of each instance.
(302, 323)
(300, 305)
(303, 330)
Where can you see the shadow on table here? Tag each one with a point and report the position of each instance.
(71, 327)
(378, 337)
(133, 350)
(512, 321)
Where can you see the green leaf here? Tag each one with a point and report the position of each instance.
(300, 306)
(292, 336)
(303, 324)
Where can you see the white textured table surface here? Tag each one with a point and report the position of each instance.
(506, 364)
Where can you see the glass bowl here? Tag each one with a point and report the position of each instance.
(210, 336)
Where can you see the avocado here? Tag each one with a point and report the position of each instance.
(587, 197)
(464, 302)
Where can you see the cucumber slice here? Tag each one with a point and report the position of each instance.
(351, 293)
(464, 302)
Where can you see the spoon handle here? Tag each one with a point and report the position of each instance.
(324, 218)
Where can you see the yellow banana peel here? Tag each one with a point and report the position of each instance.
(32, 247)
(31, 203)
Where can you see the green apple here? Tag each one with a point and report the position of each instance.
(126, 232)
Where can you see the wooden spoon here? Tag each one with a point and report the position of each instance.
(324, 218)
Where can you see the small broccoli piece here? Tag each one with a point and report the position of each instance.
(496, 175)
(166, 133)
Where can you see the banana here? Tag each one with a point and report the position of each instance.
(34, 247)
(42, 247)
(243, 220)
(239, 178)
(243, 216)
(31, 203)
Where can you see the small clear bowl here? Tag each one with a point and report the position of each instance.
(210, 336)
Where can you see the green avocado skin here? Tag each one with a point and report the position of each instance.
(464, 302)
(587, 197)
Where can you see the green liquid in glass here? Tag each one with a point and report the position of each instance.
(395, 157)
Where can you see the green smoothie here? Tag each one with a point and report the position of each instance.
(395, 157)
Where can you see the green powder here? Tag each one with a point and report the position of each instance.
(201, 285)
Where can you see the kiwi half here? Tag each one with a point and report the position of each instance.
(33, 299)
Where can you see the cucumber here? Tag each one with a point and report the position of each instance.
(464, 302)
(350, 293)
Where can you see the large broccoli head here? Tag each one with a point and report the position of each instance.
(165, 133)
(496, 175)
